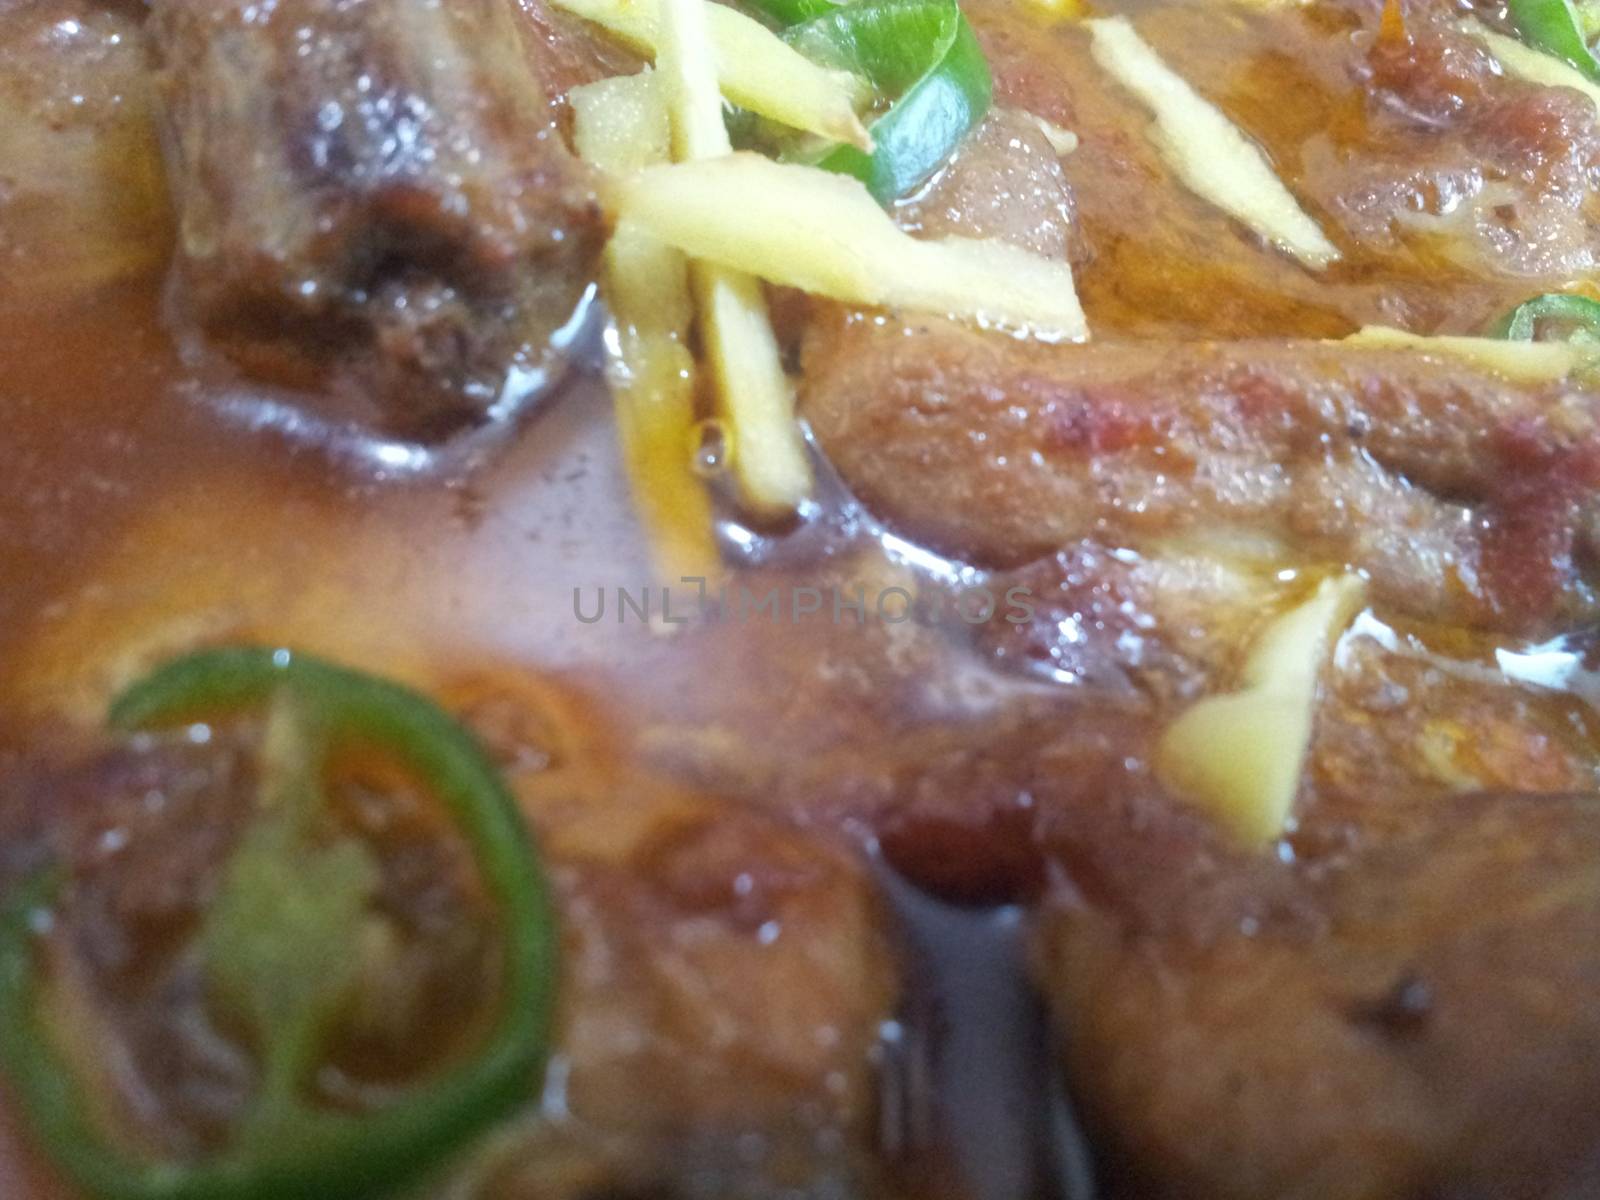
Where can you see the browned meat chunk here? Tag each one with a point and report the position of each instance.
(728, 979)
(1506, 180)
(376, 181)
(724, 976)
(1461, 494)
(81, 196)
(1405, 1011)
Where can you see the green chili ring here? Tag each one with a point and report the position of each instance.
(333, 1155)
(921, 51)
(1519, 325)
(1555, 27)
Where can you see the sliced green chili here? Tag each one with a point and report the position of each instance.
(1580, 313)
(277, 942)
(1557, 27)
(920, 54)
(792, 12)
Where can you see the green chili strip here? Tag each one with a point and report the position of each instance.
(1521, 323)
(792, 12)
(922, 55)
(304, 1152)
(1557, 28)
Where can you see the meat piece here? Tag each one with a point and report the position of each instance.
(727, 974)
(1400, 171)
(724, 976)
(81, 197)
(1156, 261)
(144, 834)
(727, 981)
(1004, 182)
(1138, 629)
(1509, 188)
(1461, 494)
(1505, 177)
(1403, 1011)
(1396, 716)
(1430, 73)
(376, 182)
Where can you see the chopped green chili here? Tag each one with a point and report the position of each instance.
(1559, 28)
(921, 55)
(279, 942)
(1579, 314)
(792, 12)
